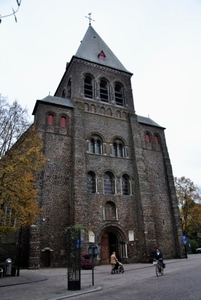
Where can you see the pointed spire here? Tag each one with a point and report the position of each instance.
(93, 48)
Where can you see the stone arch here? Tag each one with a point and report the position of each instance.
(111, 238)
(86, 106)
(93, 108)
(50, 118)
(116, 229)
(114, 137)
(95, 133)
(109, 112)
(102, 110)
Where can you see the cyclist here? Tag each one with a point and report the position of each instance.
(159, 257)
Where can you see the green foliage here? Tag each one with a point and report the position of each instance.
(194, 245)
(73, 228)
(73, 235)
(19, 169)
(189, 200)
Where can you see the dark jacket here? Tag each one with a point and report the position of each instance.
(159, 256)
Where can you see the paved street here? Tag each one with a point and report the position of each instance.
(181, 281)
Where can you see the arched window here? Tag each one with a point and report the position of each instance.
(156, 139)
(88, 87)
(109, 183)
(118, 94)
(95, 145)
(63, 121)
(98, 146)
(118, 148)
(91, 182)
(69, 89)
(64, 93)
(103, 90)
(148, 138)
(125, 185)
(50, 119)
(110, 210)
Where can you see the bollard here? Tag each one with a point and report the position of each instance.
(1, 272)
(8, 268)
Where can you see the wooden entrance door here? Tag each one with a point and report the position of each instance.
(46, 258)
(105, 249)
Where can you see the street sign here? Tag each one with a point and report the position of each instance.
(78, 243)
(184, 239)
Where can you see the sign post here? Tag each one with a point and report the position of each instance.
(93, 252)
(185, 242)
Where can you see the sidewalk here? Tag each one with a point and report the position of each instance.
(57, 277)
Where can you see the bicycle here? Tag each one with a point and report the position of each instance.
(158, 267)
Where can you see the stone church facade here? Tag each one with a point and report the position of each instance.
(106, 167)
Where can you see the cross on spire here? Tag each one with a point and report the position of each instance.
(89, 17)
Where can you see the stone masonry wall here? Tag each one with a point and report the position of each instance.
(161, 207)
(55, 185)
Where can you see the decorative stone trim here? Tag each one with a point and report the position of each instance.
(46, 249)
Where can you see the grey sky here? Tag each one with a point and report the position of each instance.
(157, 40)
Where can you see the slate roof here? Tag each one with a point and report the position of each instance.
(91, 46)
(148, 121)
(54, 101)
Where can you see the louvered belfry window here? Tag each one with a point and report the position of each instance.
(103, 90)
(88, 87)
(119, 94)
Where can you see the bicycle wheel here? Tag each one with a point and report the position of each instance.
(157, 270)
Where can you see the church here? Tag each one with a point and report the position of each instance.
(107, 168)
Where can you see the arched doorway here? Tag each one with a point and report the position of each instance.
(112, 238)
(109, 243)
(46, 256)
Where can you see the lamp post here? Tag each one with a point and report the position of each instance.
(19, 251)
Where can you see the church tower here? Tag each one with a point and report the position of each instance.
(106, 167)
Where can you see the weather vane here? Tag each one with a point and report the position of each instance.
(89, 17)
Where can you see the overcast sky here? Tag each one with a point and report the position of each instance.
(159, 41)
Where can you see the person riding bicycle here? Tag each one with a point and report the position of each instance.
(159, 257)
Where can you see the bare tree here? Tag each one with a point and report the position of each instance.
(13, 123)
(14, 11)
